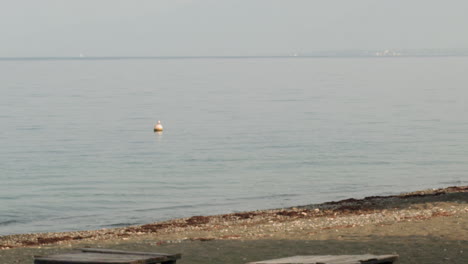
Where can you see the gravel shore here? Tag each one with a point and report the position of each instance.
(432, 217)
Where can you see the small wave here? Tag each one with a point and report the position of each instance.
(175, 207)
(455, 182)
(8, 222)
(285, 195)
(29, 128)
(163, 208)
(74, 217)
(120, 224)
(288, 100)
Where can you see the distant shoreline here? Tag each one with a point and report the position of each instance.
(94, 58)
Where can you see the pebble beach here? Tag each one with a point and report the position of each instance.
(403, 224)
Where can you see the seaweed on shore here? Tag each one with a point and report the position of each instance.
(329, 210)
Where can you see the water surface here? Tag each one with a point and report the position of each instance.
(78, 151)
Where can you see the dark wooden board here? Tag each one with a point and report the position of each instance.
(102, 250)
(106, 256)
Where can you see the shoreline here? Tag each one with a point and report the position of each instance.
(303, 222)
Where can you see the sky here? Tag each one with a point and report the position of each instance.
(226, 27)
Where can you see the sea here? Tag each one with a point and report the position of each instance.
(78, 150)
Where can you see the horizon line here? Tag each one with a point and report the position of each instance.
(25, 58)
(388, 52)
(329, 54)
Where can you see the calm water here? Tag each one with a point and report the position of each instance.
(77, 148)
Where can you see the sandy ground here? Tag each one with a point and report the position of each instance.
(422, 227)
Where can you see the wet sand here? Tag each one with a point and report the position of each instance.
(422, 227)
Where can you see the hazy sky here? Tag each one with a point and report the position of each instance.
(226, 27)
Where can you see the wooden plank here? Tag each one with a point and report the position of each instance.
(99, 258)
(113, 251)
(381, 259)
(332, 259)
(107, 256)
